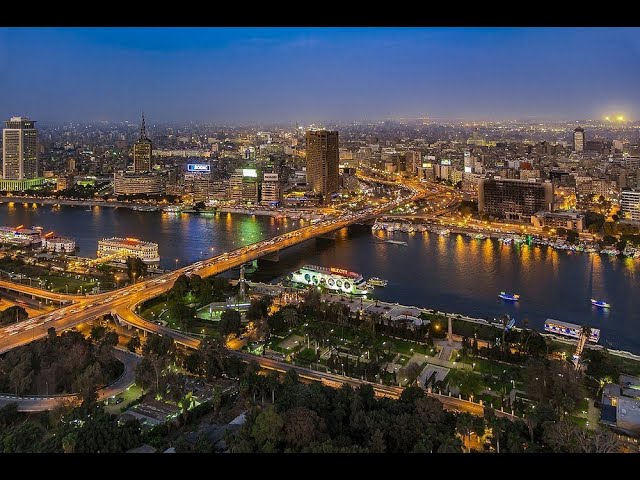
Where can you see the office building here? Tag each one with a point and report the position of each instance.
(243, 186)
(270, 193)
(322, 162)
(197, 181)
(142, 151)
(578, 140)
(128, 183)
(630, 203)
(20, 149)
(514, 199)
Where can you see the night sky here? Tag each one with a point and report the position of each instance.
(318, 74)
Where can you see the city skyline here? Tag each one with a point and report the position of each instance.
(248, 75)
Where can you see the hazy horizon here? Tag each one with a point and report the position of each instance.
(247, 76)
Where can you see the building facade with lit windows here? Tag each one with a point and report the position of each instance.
(514, 199)
(149, 183)
(630, 203)
(20, 149)
(121, 248)
(59, 244)
(578, 140)
(270, 191)
(323, 159)
(243, 186)
(142, 151)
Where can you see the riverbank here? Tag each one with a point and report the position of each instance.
(76, 203)
(396, 310)
(556, 243)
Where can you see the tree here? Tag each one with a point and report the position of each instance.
(229, 322)
(13, 314)
(97, 332)
(216, 399)
(134, 343)
(290, 316)
(301, 427)
(267, 430)
(110, 339)
(213, 356)
(136, 268)
(21, 377)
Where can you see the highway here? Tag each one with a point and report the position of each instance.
(122, 303)
(124, 300)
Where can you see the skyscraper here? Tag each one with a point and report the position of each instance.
(20, 149)
(322, 162)
(578, 140)
(142, 151)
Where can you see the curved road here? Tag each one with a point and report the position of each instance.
(123, 302)
(41, 404)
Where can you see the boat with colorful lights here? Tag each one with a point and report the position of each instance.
(511, 297)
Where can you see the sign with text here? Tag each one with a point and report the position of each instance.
(198, 167)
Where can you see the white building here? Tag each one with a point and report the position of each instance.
(59, 244)
(121, 248)
(630, 203)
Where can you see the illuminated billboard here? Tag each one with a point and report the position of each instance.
(198, 167)
(249, 172)
(467, 169)
(445, 162)
(426, 165)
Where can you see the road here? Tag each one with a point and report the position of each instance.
(45, 403)
(335, 380)
(123, 302)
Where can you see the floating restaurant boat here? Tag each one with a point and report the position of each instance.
(569, 329)
(336, 279)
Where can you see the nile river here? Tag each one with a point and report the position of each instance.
(453, 274)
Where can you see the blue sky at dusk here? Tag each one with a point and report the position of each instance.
(317, 74)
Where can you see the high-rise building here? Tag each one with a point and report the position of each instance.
(243, 185)
(630, 203)
(514, 199)
(142, 151)
(578, 140)
(323, 162)
(270, 192)
(20, 149)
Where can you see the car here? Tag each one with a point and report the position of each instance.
(119, 400)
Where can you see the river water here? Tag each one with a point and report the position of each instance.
(452, 274)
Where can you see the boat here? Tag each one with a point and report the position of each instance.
(377, 282)
(600, 303)
(89, 209)
(397, 242)
(333, 279)
(512, 297)
(569, 329)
